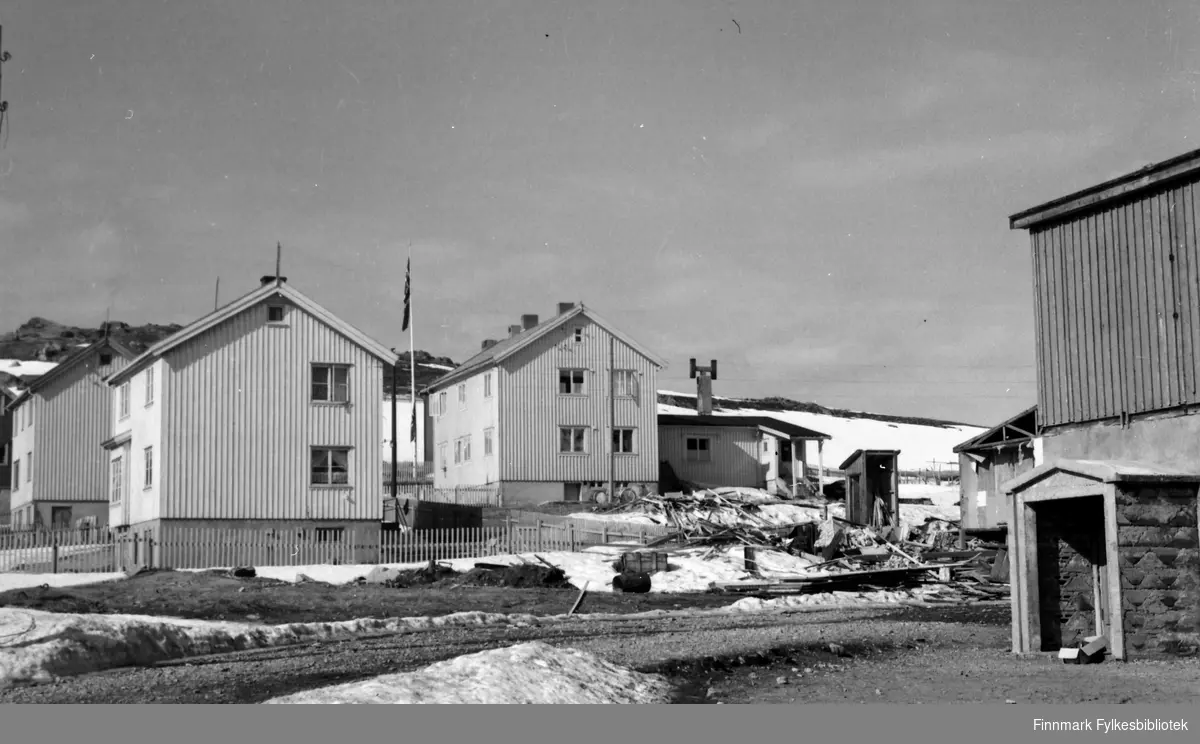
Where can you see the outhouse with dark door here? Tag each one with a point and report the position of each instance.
(1105, 548)
(872, 476)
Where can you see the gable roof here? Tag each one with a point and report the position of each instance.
(1024, 424)
(69, 363)
(245, 302)
(506, 348)
(1104, 471)
(773, 426)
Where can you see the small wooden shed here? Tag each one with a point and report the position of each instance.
(1105, 548)
(872, 474)
(988, 461)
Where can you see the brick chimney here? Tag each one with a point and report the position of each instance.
(565, 307)
(513, 330)
(704, 395)
(528, 321)
(270, 280)
(487, 344)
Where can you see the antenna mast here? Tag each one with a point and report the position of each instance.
(4, 57)
(278, 262)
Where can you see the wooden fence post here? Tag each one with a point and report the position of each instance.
(54, 551)
(571, 533)
(538, 540)
(604, 533)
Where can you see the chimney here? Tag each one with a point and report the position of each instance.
(565, 307)
(704, 395)
(271, 280)
(487, 344)
(513, 330)
(528, 321)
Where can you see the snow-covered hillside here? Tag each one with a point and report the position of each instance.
(920, 445)
(25, 368)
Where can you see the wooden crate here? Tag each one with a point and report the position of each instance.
(644, 561)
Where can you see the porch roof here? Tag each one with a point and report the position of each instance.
(1104, 471)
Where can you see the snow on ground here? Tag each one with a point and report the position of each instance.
(434, 366)
(26, 368)
(940, 495)
(533, 672)
(27, 581)
(919, 445)
(833, 599)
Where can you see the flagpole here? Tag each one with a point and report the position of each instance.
(412, 370)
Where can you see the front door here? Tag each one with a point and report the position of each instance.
(60, 517)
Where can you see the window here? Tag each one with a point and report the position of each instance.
(625, 383)
(149, 385)
(329, 534)
(487, 385)
(698, 450)
(578, 335)
(570, 382)
(105, 360)
(16, 475)
(330, 383)
(623, 441)
(457, 451)
(442, 403)
(115, 495)
(462, 396)
(330, 466)
(442, 455)
(466, 448)
(4, 453)
(572, 439)
(488, 434)
(274, 313)
(149, 451)
(124, 400)
(28, 466)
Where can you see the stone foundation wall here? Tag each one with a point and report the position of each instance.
(1159, 558)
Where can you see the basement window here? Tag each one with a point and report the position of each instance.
(329, 534)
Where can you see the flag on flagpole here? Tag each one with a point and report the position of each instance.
(412, 437)
(407, 293)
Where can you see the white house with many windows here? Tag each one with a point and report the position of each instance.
(549, 413)
(263, 414)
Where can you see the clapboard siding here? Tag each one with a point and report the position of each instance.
(1117, 307)
(532, 410)
(241, 424)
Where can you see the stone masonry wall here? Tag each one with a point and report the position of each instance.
(1067, 543)
(1159, 558)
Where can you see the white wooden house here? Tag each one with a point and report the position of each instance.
(58, 473)
(549, 413)
(263, 414)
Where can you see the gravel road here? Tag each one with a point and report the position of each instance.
(679, 646)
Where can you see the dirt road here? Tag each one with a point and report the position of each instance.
(911, 655)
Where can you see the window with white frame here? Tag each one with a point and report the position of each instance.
(149, 475)
(274, 313)
(578, 335)
(442, 454)
(16, 475)
(457, 451)
(149, 385)
(330, 466)
(123, 395)
(488, 435)
(571, 381)
(623, 441)
(114, 495)
(28, 466)
(330, 383)
(625, 383)
(698, 449)
(487, 385)
(572, 439)
(441, 411)
(462, 396)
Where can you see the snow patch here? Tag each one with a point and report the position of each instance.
(25, 367)
(28, 581)
(534, 672)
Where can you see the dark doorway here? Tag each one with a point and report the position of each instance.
(1070, 559)
(60, 517)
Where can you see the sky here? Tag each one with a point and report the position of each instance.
(814, 194)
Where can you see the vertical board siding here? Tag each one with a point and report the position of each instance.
(532, 410)
(481, 412)
(241, 424)
(734, 450)
(71, 417)
(1117, 307)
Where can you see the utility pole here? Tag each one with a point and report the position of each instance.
(395, 487)
(217, 296)
(612, 421)
(4, 57)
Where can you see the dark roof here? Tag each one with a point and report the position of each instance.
(765, 423)
(856, 453)
(1023, 425)
(1150, 176)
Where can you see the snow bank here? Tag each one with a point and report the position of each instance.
(525, 673)
(831, 599)
(27, 581)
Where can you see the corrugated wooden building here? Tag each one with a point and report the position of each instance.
(58, 473)
(985, 463)
(872, 476)
(261, 415)
(726, 450)
(1104, 530)
(550, 412)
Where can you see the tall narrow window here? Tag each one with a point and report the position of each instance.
(572, 439)
(462, 396)
(330, 383)
(488, 435)
(149, 385)
(571, 381)
(4, 450)
(16, 475)
(623, 441)
(578, 335)
(625, 383)
(28, 467)
(467, 448)
(149, 477)
(330, 466)
(487, 385)
(124, 395)
(458, 447)
(442, 403)
(114, 495)
(442, 455)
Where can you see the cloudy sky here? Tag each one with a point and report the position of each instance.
(816, 195)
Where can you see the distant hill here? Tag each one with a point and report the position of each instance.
(785, 404)
(43, 340)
